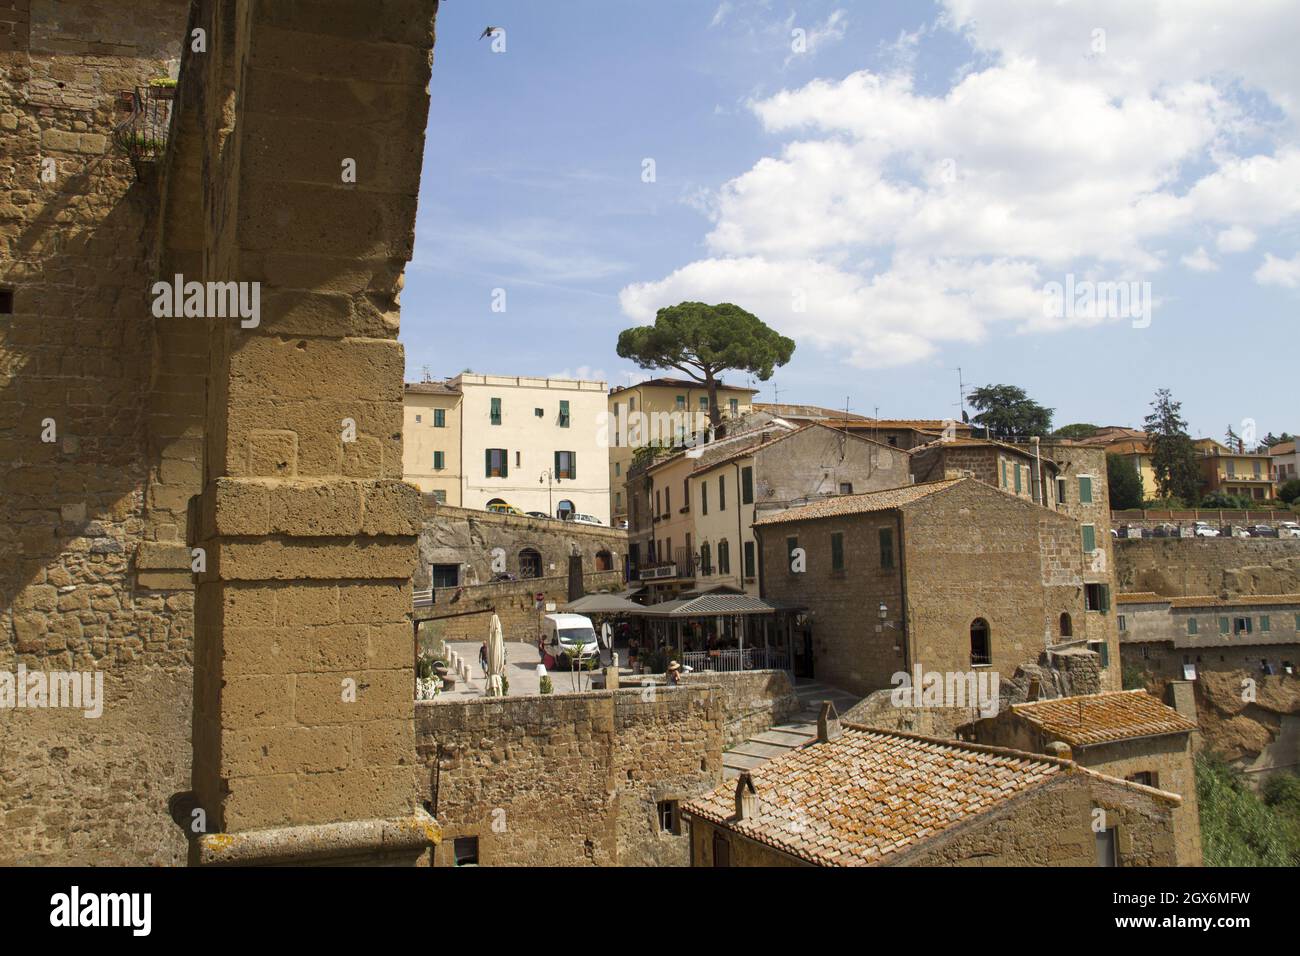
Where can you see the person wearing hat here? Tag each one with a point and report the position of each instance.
(674, 673)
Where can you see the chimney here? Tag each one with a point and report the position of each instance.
(828, 723)
(1035, 689)
(747, 802)
(1181, 696)
(1059, 749)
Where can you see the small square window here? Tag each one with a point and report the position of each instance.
(466, 851)
(668, 819)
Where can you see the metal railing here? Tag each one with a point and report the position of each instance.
(736, 659)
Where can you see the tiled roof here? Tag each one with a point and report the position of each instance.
(860, 504)
(867, 795)
(1101, 718)
(430, 388)
(789, 410)
(1284, 448)
(680, 383)
(1248, 600)
(1140, 597)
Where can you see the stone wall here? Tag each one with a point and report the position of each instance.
(79, 361)
(1184, 567)
(752, 701)
(573, 779)
(467, 538)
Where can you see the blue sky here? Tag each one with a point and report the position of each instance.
(912, 177)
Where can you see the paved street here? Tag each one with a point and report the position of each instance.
(521, 671)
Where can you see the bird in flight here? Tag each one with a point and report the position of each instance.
(488, 32)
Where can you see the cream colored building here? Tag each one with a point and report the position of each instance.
(534, 443)
(431, 439)
(660, 409)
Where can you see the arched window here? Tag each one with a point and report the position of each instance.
(496, 501)
(530, 563)
(564, 509)
(604, 560)
(981, 649)
(1067, 626)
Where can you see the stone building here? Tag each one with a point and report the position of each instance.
(868, 798)
(661, 411)
(431, 427)
(905, 433)
(1125, 734)
(948, 576)
(1015, 470)
(269, 439)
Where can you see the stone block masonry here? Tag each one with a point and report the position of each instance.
(570, 780)
(1190, 567)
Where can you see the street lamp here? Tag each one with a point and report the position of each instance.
(549, 479)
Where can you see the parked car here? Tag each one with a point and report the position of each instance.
(1288, 529)
(1239, 532)
(577, 518)
(1165, 531)
(569, 634)
(501, 508)
(1202, 529)
(539, 514)
(1263, 531)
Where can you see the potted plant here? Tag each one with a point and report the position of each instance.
(163, 88)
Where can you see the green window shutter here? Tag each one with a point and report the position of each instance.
(1017, 470)
(837, 551)
(1191, 625)
(1085, 491)
(555, 468)
(496, 411)
(573, 465)
(886, 548)
(564, 414)
(439, 418)
(1105, 598)
(1089, 539)
(1264, 623)
(505, 462)
(749, 560)
(704, 403)
(704, 496)
(722, 492)
(1004, 472)
(1223, 625)
(747, 486)
(437, 461)
(487, 462)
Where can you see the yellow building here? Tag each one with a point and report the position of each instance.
(431, 439)
(1239, 473)
(664, 410)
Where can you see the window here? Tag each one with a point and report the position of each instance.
(724, 557)
(618, 469)
(704, 403)
(704, 496)
(1060, 491)
(1101, 650)
(846, 487)
(418, 419)
(1232, 469)
(659, 508)
(1148, 778)
(686, 494)
(1192, 626)
(1123, 623)
(980, 649)
(1256, 464)
(1003, 462)
(668, 816)
(6, 301)
(750, 569)
(444, 575)
(1107, 847)
(837, 551)
(539, 412)
(886, 548)
(681, 401)
(1016, 468)
(530, 563)
(1264, 623)
(495, 414)
(733, 406)
(439, 418)
(893, 440)
(706, 559)
(1223, 625)
(721, 850)
(564, 414)
(439, 460)
(668, 502)
(1096, 597)
(465, 850)
(517, 454)
(439, 496)
(1067, 625)
(1085, 489)
(498, 463)
(747, 486)
(618, 501)
(722, 492)
(1242, 625)
(1089, 539)
(566, 464)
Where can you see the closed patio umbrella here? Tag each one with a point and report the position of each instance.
(496, 657)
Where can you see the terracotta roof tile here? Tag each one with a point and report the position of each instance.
(861, 504)
(1247, 600)
(1101, 718)
(868, 794)
(1140, 597)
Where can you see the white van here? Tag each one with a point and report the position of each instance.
(571, 634)
(586, 519)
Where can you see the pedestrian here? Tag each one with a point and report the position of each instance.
(482, 657)
(674, 673)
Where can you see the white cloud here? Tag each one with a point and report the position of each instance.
(1275, 271)
(1200, 261)
(1048, 157)
(1235, 239)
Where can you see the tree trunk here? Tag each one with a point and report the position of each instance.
(715, 413)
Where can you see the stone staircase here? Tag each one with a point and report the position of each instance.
(796, 732)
